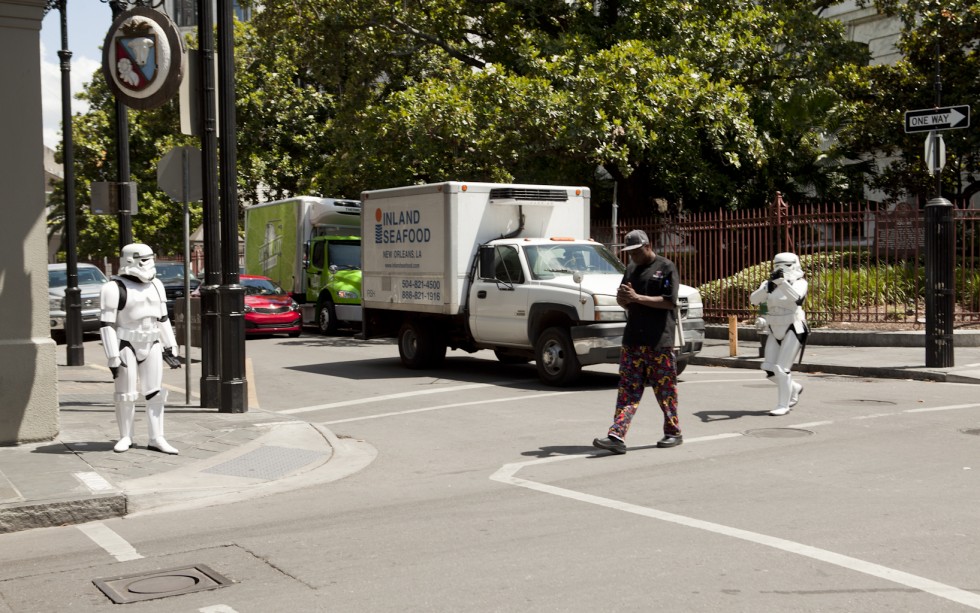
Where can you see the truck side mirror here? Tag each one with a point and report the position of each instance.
(487, 268)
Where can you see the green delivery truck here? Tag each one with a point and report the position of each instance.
(311, 247)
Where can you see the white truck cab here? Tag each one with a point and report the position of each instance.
(502, 267)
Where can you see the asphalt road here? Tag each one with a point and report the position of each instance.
(486, 495)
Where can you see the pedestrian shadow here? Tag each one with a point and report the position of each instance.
(559, 450)
(74, 448)
(707, 416)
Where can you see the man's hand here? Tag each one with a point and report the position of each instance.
(626, 295)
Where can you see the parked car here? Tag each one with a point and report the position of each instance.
(171, 274)
(90, 281)
(269, 309)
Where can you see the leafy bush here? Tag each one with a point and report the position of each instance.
(842, 282)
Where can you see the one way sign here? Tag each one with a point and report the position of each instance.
(947, 118)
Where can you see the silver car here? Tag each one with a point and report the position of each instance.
(90, 281)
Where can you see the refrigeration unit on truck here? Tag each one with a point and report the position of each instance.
(312, 248)
(502, 267)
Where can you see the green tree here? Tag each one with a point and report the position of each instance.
(947, 32)
(159, 222)
(698, 104)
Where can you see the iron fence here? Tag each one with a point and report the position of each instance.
(864, 261)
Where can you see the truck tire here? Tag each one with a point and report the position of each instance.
(326, 317)
(420, 348)
(555, 357)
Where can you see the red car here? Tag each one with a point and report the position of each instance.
(268, 308)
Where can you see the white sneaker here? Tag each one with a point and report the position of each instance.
(795, 396)
(123, 444)
(779, 411)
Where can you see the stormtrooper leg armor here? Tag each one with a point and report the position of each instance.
(151, 372)
(778, 364)
(125, 400)
(154, 418)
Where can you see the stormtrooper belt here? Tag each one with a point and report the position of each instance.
(138, 337)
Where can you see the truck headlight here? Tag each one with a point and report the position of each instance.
(607, 309)
(55, 304)
(695, 312)
(348, 294)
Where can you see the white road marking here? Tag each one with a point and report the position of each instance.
(94, 481)
(950, 407)
(347, 403)
(506, 474)
(437, 408)
(217, 608)
(105, 538)
(719, 381)
(812, 424)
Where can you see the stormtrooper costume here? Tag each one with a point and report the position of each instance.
(135, 332)
(783, 295)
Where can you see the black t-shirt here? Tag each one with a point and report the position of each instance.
(647, 325)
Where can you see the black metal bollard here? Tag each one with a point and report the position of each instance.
(940, 282)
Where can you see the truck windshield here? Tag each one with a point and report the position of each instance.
(548, 261)
(345, 255)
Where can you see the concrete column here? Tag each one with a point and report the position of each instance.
(28, 369)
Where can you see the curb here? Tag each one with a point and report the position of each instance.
(852, 338)
(27, 516)
(872, 372)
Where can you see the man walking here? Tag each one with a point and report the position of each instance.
(649, 294)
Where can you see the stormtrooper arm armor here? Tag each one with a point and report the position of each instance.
(760, 295)
(167, 335)
(796, 289)
(109, 299)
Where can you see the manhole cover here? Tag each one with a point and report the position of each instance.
(974, 431)
(778, 432)
(860, 402)
(161, 584)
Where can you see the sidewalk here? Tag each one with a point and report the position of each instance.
(223, 457)
(880, 362)
(226, 457)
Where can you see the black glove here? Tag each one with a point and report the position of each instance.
(171, 360)
(770, 286)
(776, 274)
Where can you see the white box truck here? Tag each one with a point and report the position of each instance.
(492, 266)
(311, 247)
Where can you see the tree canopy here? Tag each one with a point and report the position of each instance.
(685, 105)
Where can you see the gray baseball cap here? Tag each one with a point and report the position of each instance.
(636, 239)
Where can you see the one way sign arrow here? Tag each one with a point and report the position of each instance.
(947, 118)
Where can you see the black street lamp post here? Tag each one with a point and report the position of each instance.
(73, 295)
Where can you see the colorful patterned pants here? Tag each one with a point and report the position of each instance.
(638, 368)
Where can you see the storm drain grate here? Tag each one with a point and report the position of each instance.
(161, 584)
(973, 431)
(778, 432)
(266, 463)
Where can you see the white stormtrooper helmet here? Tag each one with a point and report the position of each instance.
(789, 263)
(137, 260)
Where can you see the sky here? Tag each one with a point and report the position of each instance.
(88, 23)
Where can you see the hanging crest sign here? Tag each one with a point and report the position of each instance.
(143, 58)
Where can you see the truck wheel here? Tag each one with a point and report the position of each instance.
(420, 348)
(555, 356)
(326, 317)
